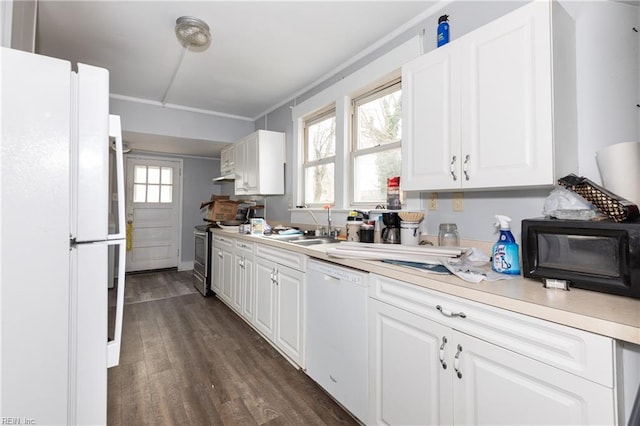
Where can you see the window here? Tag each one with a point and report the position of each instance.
(320, 158)
(152, 184)
(375, 148)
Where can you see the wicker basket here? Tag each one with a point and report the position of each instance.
(614, 206)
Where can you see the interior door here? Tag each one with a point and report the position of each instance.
(153, 213)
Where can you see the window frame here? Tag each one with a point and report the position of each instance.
(317, 117)
(389, 86)
(146, 184)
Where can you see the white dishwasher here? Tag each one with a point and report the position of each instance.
(336, 333)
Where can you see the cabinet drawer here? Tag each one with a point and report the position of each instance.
(585, 354)
(223, 242)
(283, 257)
(243, 247)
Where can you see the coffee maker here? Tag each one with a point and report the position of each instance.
(391, 232)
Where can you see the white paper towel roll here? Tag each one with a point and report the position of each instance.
(619, 167)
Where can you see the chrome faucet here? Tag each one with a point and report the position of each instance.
(329, 231)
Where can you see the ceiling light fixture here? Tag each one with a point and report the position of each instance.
(190, 32)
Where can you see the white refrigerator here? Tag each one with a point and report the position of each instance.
(56, 140)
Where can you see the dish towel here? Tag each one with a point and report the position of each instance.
(129, 236)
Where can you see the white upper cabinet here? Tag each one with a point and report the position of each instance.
(494, 108)
(227, 160)
(259, 164)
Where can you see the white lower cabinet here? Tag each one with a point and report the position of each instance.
(279, 294)
(492, 385)
(222, 258)
(425, 370)
(408, 386)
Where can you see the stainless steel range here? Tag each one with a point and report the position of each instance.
(202, 260)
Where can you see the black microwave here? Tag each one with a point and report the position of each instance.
(602, 256)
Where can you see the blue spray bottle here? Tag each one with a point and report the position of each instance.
(443, 30)
(506, 254)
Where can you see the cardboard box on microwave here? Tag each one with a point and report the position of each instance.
(222, 210)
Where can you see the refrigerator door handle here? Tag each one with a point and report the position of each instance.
(113, 346)
(115, 131)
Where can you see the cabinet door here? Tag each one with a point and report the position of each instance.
(230, 158)
(265, 296)
(408, 383)
(248, 289)
(240, 184)
(252, 167)
(431, 121)
(507, 137)
(497, 386)
(216, 279)
(224, 161)
(289, 337)
(226, 269)
(237, 284)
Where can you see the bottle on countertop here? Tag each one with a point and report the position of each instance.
(506, 256)
(443, 30)
(377, 230)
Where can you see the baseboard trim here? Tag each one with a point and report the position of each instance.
(185, 266)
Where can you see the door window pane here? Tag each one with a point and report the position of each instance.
(166, 193)
(153, 193)
(140, 174)
(139, 193)
(153, 174)
(167, 176)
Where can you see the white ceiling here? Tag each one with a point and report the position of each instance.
(262, 52)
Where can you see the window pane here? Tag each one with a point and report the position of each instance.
(380, 121)
(319, 184)
(167, 176)
(166, 193)
(321, 139)
(140, 174)
(371, 173)
(154, 174)
(139, 193)
(153, 193)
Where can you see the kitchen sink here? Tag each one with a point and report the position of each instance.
(312, 240)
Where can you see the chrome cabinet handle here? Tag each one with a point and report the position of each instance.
(220, 254)
(456, 362)
(449, 313)
(465, 167)
(452, 168)
(442, 361)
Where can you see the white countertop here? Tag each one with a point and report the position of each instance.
(613, 316)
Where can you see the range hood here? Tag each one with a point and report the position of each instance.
(230, 176)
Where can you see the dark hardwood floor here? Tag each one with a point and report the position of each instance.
(187, 359)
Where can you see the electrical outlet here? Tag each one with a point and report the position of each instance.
(458, 201)
(433, 201)
(289, 203)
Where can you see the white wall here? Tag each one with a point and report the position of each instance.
(608, 74)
